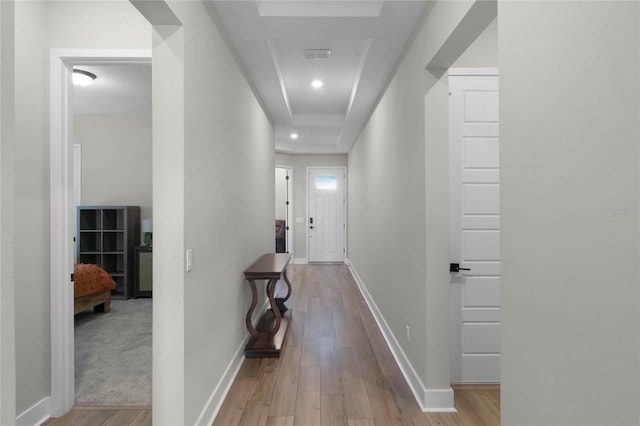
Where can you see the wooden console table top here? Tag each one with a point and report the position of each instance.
(269, 267)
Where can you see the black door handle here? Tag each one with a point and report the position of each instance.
(455, 267)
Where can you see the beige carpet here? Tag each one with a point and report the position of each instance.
(113, 354)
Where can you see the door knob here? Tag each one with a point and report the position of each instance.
(311, 227)
(455, 267)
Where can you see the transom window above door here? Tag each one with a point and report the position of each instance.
(326, 183)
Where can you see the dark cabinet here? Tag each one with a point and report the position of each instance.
(106, 237)
(142, 271)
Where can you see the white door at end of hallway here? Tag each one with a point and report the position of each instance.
(475, 227)
(326, 223)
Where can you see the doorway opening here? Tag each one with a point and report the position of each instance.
(284, 209)
(63, 211)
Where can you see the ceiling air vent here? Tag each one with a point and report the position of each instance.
(316, 53)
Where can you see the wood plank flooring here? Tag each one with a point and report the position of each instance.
(336, 370)
(108, 416)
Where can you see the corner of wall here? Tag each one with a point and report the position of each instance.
(429, 400)
(217, 397)
(37, 414)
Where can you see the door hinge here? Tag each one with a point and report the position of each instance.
(287, 203)
(287, 177)
(71, 277)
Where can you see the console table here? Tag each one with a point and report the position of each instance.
(267, 338)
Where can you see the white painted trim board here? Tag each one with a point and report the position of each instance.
(217, 397)
(429, 400)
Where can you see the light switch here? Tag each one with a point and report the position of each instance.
(299, 219)
(189, 260)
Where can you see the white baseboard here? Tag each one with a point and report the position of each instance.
(300, 260)
(36, 415)
(429, 400)
(212, 407)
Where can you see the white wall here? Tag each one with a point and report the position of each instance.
(7, 282)
(398, 197)
(116, 159)
(569, 135)
(483, 53)
(214, 171)
(281, 193)
(39, 27)
(300, 164)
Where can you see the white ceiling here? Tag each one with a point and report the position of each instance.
(365, 38)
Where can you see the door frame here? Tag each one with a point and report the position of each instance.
(62, 214)
(289, 231)
(344, 210)
(455, 184)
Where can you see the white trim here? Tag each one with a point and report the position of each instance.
(300, 260)
(62, 218)
(77, 174)
(472, 71)
(212, 407)
(35, 415)
(429, 400)
(214, 403)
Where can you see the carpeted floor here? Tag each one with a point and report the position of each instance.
(113, 354)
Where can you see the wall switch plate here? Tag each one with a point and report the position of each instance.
(408, 334)
(189, 260)
(299, 219)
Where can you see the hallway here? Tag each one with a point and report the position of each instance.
(337, 369)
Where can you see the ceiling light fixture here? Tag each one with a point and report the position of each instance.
(317, 84)
(82, 77)
(294, 136)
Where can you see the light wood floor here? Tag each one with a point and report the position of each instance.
(336, 369)
(112, 416)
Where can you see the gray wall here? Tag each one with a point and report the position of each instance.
(213, 179)
(398, 194)
(569, 151)
(39, 27)
(116, 159)
(281, 194)
(7, 283)
(300, 164)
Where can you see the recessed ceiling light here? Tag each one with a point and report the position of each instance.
(294, 136)
(82, 77)
(317, 84)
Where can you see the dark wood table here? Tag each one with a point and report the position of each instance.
(267, 338)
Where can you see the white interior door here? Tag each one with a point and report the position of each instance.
(475, 226)
(326, 214)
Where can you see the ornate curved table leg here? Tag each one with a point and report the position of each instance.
(286, 280)
(254, 302)
(274, 308)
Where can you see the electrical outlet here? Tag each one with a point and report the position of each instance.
(408, 334)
